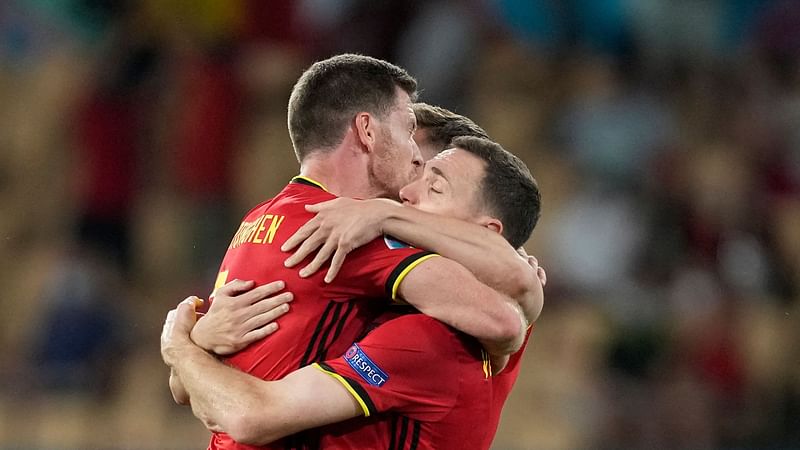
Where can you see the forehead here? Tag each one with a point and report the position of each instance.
(458, 166)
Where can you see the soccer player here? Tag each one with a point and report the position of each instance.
(344, 224)
(351, 124)
(433, 384)
(247, 315)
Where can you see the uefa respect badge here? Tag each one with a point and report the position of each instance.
(364, 366)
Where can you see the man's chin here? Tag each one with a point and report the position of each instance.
(384, 190)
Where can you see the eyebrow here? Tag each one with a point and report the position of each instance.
(437, 171)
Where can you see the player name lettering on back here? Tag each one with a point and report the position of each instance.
(364, 366)
(259, 231)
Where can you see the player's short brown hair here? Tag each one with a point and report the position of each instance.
(331, 92)
(443, 125)
(508, 190)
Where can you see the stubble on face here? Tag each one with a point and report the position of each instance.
(388, 171)
(382, 172)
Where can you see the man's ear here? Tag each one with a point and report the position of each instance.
(492, 223)
(366, 130)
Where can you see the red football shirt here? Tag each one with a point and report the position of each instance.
(324, 321)
(422, 385)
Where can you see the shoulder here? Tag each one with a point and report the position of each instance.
(416, 320)
(259, 206)
(414, 332)
(300, 192)
(389, 245)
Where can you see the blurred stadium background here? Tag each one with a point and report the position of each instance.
(665, 135)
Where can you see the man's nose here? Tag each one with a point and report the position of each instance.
(407, 194)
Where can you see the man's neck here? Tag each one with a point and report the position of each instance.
(343, 174)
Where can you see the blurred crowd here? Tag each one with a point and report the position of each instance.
(665, 136)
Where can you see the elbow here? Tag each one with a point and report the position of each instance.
(534, 308)
(520, 283)
(247, 429)
(242, 430)
(246, 420)
(528, 294)
(509, 333)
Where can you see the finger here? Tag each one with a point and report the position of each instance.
(259, 333)
(264, 318)
(168, 323)
(336, 264)
(274, 302)
(262, 292)
(192, 301)
(197, 302)
(235, 287)
(317, 207)
(269, 303)
(300, 235)
(184, 318)
(306, 248)
(319, 259)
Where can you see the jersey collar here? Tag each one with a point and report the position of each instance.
(308, 181)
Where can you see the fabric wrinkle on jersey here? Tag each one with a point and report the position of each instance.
(326, 317)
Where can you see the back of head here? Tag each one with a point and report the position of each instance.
(508, 190)
(442, 125)
(331, 92)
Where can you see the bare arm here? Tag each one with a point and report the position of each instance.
(251, 410)
(445, 290)
(343, 224)
(239, 315)
(483, 252)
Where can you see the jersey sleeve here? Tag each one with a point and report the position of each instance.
(376, 269)
(410, 365)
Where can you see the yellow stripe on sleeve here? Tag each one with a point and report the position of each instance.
(347, 386)
(405, 272)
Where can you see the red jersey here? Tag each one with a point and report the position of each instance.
(421, 385)
(326, 317)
